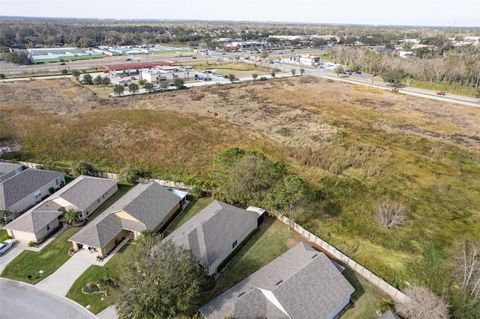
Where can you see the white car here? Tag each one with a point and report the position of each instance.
(6, 245)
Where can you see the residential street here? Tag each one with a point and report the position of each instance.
(22, 301)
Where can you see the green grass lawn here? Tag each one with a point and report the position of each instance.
(95, 273)
(272, 239)
(54, 255)
(192, 209)
(49, 259)
(98, 301)
(366, 298)
(449, 88)
(3, 235)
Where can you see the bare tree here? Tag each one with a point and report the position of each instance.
(467, 271)
(390, 213)
(422, 304)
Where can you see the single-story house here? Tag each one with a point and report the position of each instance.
(300, 284)
(84, 195)
(8, 170)
(27, 188)
(213, 233)
(146, 207)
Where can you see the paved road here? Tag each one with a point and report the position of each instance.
(23, 301)
(364, 79)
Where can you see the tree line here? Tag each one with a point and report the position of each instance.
(458, 66)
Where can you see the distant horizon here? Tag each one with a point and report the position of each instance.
(239, 21)
(425, 13)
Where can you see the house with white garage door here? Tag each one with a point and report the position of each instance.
(84, 195)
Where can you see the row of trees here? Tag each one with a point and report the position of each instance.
(34, 32)
(456, 67)
(149, 87)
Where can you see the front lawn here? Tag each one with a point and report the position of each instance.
(98, 301)
(54, 255)
(49, 259)
(3, 235)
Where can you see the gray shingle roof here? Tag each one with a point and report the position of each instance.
(211, 232)
(300, 284)
(148, 203)
(89, 189)
(85, 190)
(23, 184)
(36, 218)
(6, 168)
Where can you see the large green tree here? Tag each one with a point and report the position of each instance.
(160, 281)
(287, 194)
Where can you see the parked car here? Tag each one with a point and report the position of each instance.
(441, 93)
(7, 245)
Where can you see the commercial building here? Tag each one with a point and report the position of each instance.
(166, 74)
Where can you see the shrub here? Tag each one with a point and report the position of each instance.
(130, 174)
(32, 244)
(390, 213)
(82, 168)
(423, 304)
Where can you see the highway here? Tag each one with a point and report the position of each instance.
(365, 79)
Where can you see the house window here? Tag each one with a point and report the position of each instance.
(48, 227)
(234, 244)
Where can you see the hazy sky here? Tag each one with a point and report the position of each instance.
(406, 12)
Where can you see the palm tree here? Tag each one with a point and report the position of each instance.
(70, 216)
(294, 72)
(254, 76)
(302, 71)
(273, 74)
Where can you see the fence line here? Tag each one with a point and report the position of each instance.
(166, 183)
(391, 291)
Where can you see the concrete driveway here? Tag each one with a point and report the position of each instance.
(60, 281)
(11, 254)
(23, 301)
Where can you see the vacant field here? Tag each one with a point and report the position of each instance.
(354, 145)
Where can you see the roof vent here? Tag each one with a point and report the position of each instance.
(278, 283)
(314, 256)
